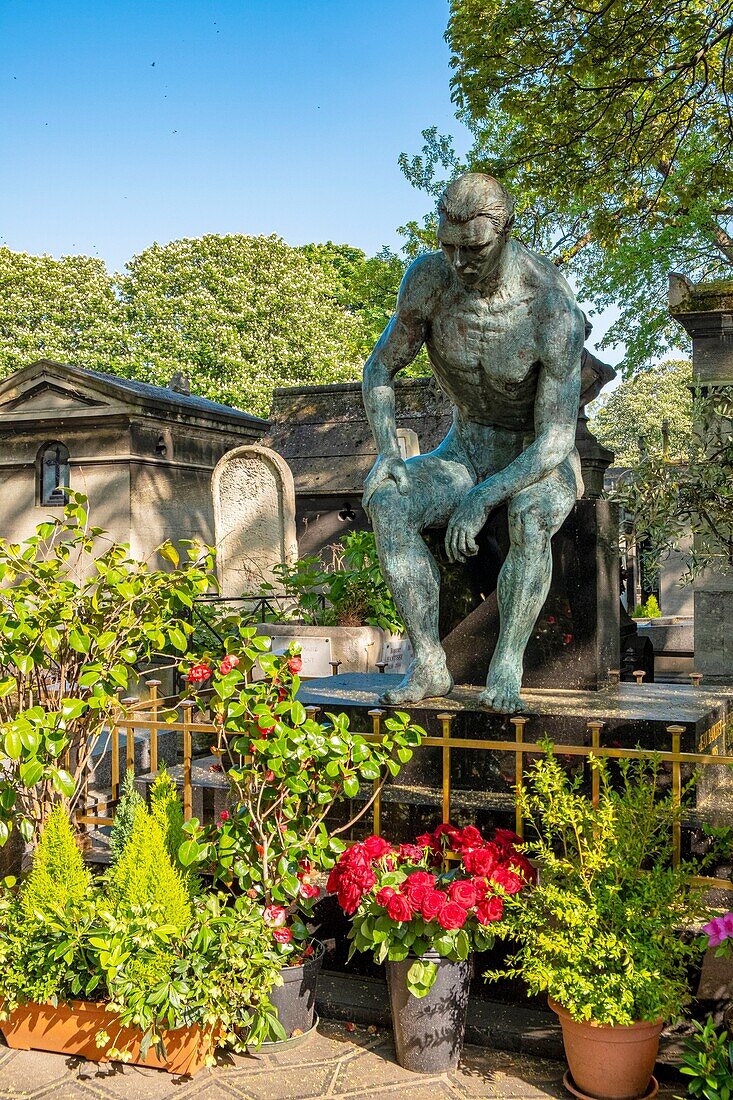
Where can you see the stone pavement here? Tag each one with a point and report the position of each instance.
(335, 1063)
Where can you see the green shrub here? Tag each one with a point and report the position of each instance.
(708, 1062)
(648, 610)
(144, 877)
(59, 875)
(601, 932)
(167, 810)
(124, 815)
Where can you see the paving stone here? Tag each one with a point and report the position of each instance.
(26, 1073)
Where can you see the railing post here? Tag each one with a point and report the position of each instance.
(376, 717)
(187, 706)
(115, 736)
(639, 675)
(595, 728)
(153, 685)
(676, 735)
(519, 723)
(445, 720)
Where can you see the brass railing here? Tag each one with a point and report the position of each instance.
(145, 717)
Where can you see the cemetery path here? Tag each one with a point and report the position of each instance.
(335, 1063)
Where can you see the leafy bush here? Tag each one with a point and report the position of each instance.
(153, 972)
(352, 593)
(76, 610)
(124, 817)
(58, 877)
(600, 933)
(166, 808)
(708, 1062)
(288, 771)
(144, 877)
(648, 610)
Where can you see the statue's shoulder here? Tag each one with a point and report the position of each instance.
(426, 276)
(543, 278)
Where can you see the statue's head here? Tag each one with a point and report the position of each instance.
(476, 217)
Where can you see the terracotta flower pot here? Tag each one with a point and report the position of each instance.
(72, 1029)
(610, 1061)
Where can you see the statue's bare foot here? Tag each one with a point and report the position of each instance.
(502, 689)
(422, 681)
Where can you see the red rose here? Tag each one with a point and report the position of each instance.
(523, 867)
(481, 861)
(481, 888)
(385, 895)
(229, 662)
(468, 838)
(505, 839)
(198, 673)
(295, 664)
(463, 893)
(282, 935)
(349, 895)
(399, 908)
(416, 885)
(410, 853)
(490, 909)
(376, 846)
(224, 815)
(551, 620)
(334, 877)
(274, 915)
(452, 916)
(446, 830)
(431, 904)
(507, 880)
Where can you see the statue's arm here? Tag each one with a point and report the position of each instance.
(396, 348)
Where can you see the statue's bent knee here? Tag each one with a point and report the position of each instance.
(529, 528)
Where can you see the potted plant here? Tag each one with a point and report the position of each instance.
(133, 967)
(601, 931)
(422, 909)
(288, 771)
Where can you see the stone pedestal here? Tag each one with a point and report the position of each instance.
(705, 311)
(576, 638)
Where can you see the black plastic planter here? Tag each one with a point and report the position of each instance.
(295, 999)
(428, 1031)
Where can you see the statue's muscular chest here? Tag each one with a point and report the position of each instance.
(470, 338)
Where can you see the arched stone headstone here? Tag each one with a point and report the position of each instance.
(254, 517)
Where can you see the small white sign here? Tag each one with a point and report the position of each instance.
(315, 653)
(396, 653)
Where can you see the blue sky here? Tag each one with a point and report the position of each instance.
(124, 123)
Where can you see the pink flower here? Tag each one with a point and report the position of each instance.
(274, 916)
(282, 935)
(224, 815)
(307, 890)
(229, 662)
(719, 929)
(295, 664)
(411, 853)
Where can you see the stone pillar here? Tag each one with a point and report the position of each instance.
(705, 311)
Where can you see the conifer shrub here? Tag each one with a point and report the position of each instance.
(59, 875)
(144, 877)
(130, 799)
(167, 809)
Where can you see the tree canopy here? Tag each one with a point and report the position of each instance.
(638, 408)
(611, 122)
(239, 314)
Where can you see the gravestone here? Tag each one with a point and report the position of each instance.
(254, 517)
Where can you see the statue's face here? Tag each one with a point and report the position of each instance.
(473, 249)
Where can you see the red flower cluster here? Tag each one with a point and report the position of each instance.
(230, 662)
(490, 870)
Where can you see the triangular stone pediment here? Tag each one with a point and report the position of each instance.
(50, 397)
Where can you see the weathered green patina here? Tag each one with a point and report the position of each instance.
(504, 335)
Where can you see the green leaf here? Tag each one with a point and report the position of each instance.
(73, 708)
(189, 853)
(177, 639)
(63, 782)
(31, 772)
(13, 744)
(351, 786)
(79, 641)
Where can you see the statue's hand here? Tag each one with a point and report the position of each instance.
(386, 468)
(465, 524)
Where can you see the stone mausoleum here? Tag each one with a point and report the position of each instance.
(142, 454)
